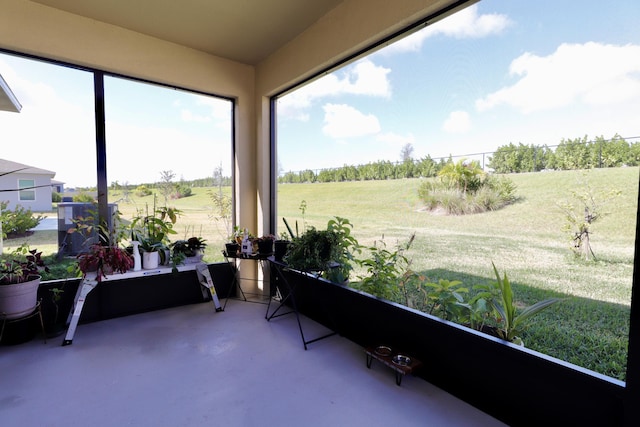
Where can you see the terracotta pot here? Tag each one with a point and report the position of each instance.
(18, 300)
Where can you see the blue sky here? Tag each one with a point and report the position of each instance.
(497, 72)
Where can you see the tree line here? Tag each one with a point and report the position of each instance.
(570, 154)
(380, 170)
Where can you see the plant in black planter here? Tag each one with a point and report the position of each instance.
(386, 270)
(280, 246)
(54, 302)
(234, 241)
(19, 281)
(329, 251)
(314, 250)
(509, 324)
(265, 244)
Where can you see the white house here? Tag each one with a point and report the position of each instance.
(25, 185)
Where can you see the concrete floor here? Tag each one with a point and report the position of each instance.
(191, 366)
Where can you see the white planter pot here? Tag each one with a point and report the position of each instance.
(18, 300)
(150, 260)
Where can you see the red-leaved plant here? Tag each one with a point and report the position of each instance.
(25, 265)
(104, 260)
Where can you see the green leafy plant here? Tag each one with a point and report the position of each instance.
(183, 249)
(152, 230)
(18, 221)
(475, 313)
(314, 250)
(237, 234)
(445, 298)
(385, 269)
(348, 246)
(511, 324)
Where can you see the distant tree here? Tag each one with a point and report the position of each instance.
(166, 185)
(426, 167)
(222, 203)
(407, 152)
(585, 207)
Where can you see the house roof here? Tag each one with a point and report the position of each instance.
(7, 166)
(8, 101)
(246, 31)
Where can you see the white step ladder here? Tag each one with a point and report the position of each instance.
(89, 283)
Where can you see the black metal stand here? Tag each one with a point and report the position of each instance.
(290, 296)
(37, 311)
(236, 274)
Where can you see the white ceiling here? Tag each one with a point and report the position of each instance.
(245, 31)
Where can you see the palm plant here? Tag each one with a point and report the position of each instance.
(512, 324)
(463, 175)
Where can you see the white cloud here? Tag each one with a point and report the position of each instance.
(362, 78)
(462, 25)
(395, 139)
(188, 116)
(593, 74)
(457, 122)
(215, 110)
(344, 121)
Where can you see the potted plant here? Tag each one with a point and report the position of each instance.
(19, 281)
(187, 251)
(152, 231)
(234, 241)
(265, 244)
(281, 245)
(103, 260)
(106, 256)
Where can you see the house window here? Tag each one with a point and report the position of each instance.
(27, 190)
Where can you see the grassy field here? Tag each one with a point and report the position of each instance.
(588, 328)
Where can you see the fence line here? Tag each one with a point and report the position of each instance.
(481, 157)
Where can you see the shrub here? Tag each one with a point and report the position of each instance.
(56, 197)
(183, 191)
(18, 221)
(83, 198)
(142, 191)
(503, 186)
(491, 194)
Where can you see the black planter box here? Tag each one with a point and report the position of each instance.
(521, 387)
